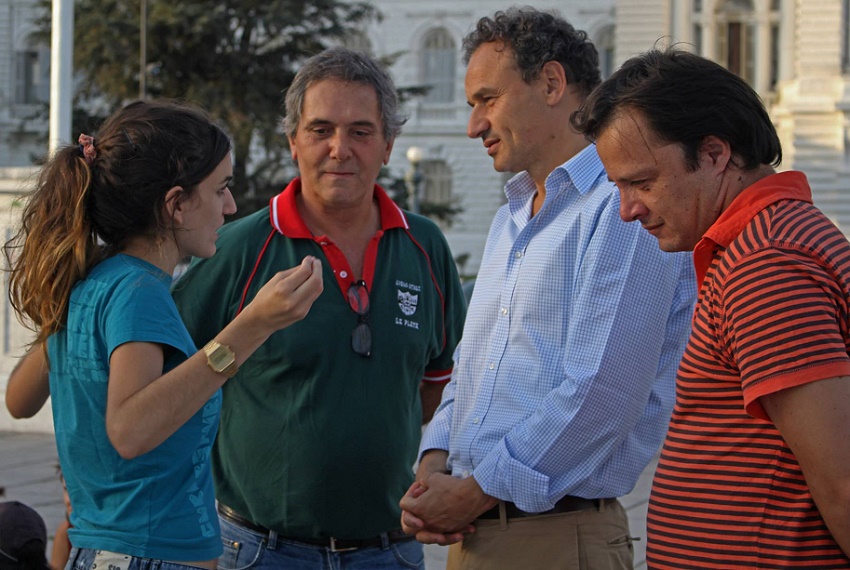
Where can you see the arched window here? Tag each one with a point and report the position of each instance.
(32, 72)
(438, 66)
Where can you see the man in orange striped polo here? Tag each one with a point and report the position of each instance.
(755, 470)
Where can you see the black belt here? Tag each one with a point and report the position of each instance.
(566, 505)
(333, 544)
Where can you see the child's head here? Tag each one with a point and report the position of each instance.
(23, 538)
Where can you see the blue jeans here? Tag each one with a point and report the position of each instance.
(245, 549)
(84, 559)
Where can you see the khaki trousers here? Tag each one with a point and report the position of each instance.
(594, 539)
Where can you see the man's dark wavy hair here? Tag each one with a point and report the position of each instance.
(685, 98)
(536, 38)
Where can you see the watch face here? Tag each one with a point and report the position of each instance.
(219, 358)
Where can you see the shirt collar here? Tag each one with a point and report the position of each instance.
(581, 171)
(791, 185)
(284, 216)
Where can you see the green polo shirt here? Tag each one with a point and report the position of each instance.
(315, 440)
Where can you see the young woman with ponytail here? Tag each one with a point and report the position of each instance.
(135, 403)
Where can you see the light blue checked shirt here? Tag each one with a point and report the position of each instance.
(564, 378)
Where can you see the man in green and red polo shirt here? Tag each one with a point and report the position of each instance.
(319, 430)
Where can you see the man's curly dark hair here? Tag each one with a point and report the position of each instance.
(536, 38)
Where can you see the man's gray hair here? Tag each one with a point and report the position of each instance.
(348, 65)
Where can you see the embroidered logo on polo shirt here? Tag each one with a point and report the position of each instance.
(407, 302)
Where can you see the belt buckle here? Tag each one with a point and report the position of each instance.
(335, 549)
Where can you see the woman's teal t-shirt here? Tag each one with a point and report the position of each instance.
(161, 504)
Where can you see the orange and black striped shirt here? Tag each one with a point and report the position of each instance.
(772, 313)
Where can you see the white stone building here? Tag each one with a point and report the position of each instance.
(796, 53)
(24, 84)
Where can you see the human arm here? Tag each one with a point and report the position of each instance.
(433, 458)
(449, 504)
(140, 394)
(785, 319)
(61, 546)
(28, 387)
(814, 420)
(61, 543)
(430, 393)
(439, 370)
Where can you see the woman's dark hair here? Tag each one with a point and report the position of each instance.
(685, 98)
(91, 199)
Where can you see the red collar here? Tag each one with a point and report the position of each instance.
(790, 185)
(284, 216)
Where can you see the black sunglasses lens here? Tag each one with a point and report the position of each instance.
(361, 340)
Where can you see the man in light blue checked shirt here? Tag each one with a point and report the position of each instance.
(563, 380)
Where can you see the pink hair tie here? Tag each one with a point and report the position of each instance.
(87, 148)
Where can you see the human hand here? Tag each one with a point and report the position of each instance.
(411, 524)
(442, 504)
(287, 297)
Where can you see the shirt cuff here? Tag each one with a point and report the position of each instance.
(436, 436)
(500, 475)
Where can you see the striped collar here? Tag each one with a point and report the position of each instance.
(789, 185)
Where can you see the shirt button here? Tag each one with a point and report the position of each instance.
(343, 274)
(518, 254)
(504, 311)
(475, 420)
(465, 473)
(492, 366)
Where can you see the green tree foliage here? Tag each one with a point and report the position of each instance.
(233, 57)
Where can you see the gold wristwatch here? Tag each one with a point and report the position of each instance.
(220, 358)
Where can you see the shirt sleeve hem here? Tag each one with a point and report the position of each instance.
(503, 477)
(437, 376)
(792, 379)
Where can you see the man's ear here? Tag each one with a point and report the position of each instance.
(554, 81)
(174, 205)
(388, 151)
(293, 149)
(716, 151)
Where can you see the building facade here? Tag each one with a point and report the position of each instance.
(796, 53)
(24, 84)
